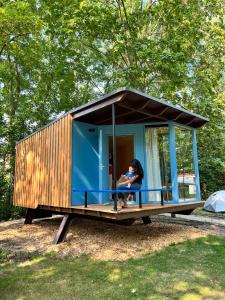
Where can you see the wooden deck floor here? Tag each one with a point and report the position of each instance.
(106, 211)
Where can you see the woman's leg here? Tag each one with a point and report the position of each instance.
(121, 195)
(135, 186)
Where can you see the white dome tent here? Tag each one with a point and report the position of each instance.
(216, 202)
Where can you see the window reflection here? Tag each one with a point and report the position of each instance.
(185, 164)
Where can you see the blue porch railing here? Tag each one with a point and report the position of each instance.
(115, 192)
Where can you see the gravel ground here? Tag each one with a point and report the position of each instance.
(100, 240)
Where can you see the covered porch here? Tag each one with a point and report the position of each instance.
(127, 124)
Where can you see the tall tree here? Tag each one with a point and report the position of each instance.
(58, 54)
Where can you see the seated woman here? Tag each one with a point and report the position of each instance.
(133, 182)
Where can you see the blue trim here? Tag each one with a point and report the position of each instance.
(173, 161)
(101, 163)
(120, 191)
(144, 183)
(195, 163)
(195, 154)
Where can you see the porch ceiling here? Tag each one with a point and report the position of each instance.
(134, 107)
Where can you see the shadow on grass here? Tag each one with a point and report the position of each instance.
(191, 270)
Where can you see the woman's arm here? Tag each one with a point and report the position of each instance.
(129, 180)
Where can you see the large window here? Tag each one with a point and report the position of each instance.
(158, 161)
(185, 164)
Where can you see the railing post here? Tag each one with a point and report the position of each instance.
(85, 199)
(140, 200)
(173, 160)
(162, 200)
(115, 202)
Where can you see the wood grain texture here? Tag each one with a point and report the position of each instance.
(43, 167)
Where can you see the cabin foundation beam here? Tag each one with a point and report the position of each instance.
(146, 220)
(30, 215)
(36, 213)
(63, 229)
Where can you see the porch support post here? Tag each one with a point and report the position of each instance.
(173, 161)
(63, 228)
(195, 154)
(30, 214)
(114, 154)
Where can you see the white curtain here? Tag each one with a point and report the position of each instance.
(153, 164)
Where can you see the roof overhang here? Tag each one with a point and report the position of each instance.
(133, 107)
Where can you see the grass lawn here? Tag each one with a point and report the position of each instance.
(201, 212)
(191, 270)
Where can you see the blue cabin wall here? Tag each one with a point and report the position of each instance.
(90, 159)
(85, 161)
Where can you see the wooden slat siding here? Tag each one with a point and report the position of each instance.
(29, 169)
(16, 187)
(46, 159)
(34, 169)
(37, 171)
(61, 134)
(63, 161)
(43, 152)
(44, 198)
(19, 182)
(43, 167)
(50, 166)
(23, 161)
(61, 165)
(69, 156)
(53, 163)
(20, 170)
(23, 149)
(25, 178)
(25, 173)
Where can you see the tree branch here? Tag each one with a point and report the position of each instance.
(11, 40)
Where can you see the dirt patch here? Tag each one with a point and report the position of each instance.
(100, 240)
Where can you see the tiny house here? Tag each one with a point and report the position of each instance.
(65, 166)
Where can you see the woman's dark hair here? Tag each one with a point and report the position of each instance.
(135, 163)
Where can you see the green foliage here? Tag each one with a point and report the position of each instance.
(55, 55)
